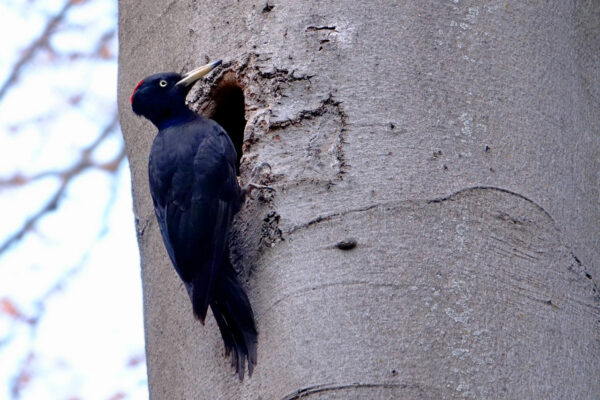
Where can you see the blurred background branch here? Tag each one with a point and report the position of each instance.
(41, 42)
(70, 291)
(66, 176)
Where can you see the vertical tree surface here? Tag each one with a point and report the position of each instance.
(434, 233)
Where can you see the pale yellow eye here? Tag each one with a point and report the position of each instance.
(162, 83)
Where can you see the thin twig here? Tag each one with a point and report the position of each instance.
(40, 43)
(66, 177)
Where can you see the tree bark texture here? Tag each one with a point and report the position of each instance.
(435, 228)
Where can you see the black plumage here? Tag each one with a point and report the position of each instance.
(194, 187)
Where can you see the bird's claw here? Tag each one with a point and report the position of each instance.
(252, 186)
(258, 168)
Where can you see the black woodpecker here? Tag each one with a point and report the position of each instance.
(194, 187)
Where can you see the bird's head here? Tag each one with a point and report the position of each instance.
(161, 97)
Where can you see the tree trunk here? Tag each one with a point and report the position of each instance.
(434, 233)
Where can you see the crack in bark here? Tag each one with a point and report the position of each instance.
(583, 270)
(310, 390)
(473, 188)
(329, 217)
(283, 75)
(321, 28)
(321, 110)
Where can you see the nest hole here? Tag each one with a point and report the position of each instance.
(229, 112)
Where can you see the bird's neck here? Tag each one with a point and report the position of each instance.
(176, 116)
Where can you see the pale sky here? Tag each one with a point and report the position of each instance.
(88, 343)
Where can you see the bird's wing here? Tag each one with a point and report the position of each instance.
(198, 236)
(199, 208)
(161, 167)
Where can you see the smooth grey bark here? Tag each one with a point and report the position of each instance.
(456, 142)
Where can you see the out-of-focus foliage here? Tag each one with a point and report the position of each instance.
(70, 291)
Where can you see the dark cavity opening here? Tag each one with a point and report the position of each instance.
(229, 112)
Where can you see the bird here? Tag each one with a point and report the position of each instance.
(193, 183)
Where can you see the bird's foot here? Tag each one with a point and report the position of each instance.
(256, 171)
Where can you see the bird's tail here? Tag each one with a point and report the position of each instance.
(235, 318)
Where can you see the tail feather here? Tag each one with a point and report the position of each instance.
(235, 319)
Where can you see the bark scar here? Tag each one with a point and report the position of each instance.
(473, 188)
(576, 266)
(315, 389)
(329, 217)
(320, 28)
(326, 106)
